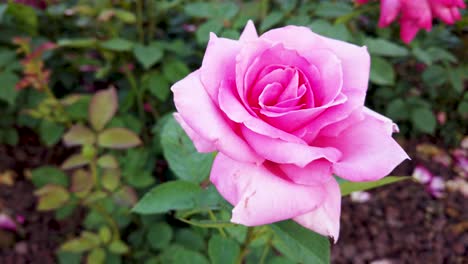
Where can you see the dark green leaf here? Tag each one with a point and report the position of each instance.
(424, 120)
(48, 174)
(272, 19)
(183, 158)
(175, 70)
(382, 71)
(301, 244)
(223, 250)
(148, 55)
(385, 48)
(117, 44)
(174, 195)
(8, 92)
(50, 132)
(159, 235)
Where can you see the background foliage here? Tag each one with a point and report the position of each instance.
(95, 76)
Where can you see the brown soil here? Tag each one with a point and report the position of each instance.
(40, 234)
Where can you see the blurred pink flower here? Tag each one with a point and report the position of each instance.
(417, 14)
(360, 197)
(436, 187)
(422, 174)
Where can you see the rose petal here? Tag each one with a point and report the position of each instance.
(260, 195)
(219, 64)
(205, 119)
(369, 151)
(355, 60)
(337, 114)
(233, 108)
(201, 144)
(325, 220)
(298, 154)
(312, 174)
(249, 33)
(388, 11)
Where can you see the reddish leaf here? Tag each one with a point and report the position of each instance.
(118, 138)
(102, 108)
(79, 135)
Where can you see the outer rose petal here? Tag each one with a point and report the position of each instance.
(261, 195)
(206, 120)
(408, 31)
(284, 152)
(355, 60)
(369, 151)
(249, 33)
(325, 220)
(201, 144)
(219, 64)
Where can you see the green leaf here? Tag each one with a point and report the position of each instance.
(102, 108)
(148, 55)
(173, 195)
(385, 48)
(68, 257)
(82, 182)
(159, 235)
(175, 70)
(301, 244)
(456, 79)
(434, 76)
(8, 91)
(85, 242)
(110, 179)
(51, 197)
(337, 31)
(74, 161)
(117, 44)
(108, 161)
(158, 86)
(424, 120)
(398, 110)
(183, 158)
(48, 174)
(203, 31)
(79, 135)
(190, 239)
(7, 57)
(77, 43)
(328, 9)
(50, 132)
(96, 256)
(223, 250)
(118, 247)
(347, 187)
(25, 17)
(176, 254)
(272, 19)
(201, 10)
(118, 138)
(382, 71)
(105, 234)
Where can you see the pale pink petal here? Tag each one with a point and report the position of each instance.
(314, 173)
(201, 144)
(205, 119)
(249, 33)
(422, 174)
(355, 60)
(325, 220)
(368, 150)
(261, 195)
(284, 152)
(219, 64)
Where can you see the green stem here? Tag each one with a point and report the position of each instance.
(265, 252)
(138, 95)
(139, 13)
(109, 219)
(213, 217)
(245, 246)
(152, 20)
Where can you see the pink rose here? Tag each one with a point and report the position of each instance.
(416, 15)
(285, 111)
